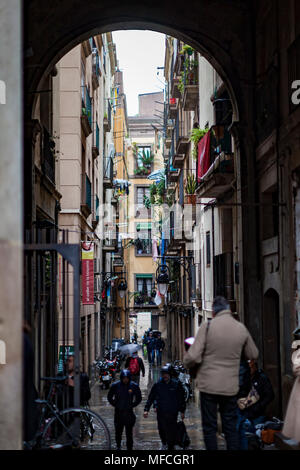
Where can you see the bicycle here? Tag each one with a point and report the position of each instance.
(75, 428)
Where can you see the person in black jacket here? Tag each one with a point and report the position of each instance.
(263, 386)
(168, 396)
(124, 395)
(135, 364)
(150, 347)
(159, 347)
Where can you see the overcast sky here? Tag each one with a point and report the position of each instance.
(139, 54)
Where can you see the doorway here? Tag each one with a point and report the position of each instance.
(271, 348)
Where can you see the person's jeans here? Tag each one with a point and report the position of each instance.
(158, 357)
(125, 419)
(244, 425)
(228, 411)
(153, 356)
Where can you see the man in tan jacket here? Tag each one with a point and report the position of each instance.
(217, 351)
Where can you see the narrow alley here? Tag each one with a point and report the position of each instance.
(145, 433)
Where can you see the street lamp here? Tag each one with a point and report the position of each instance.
(162, 279)
(122, 287)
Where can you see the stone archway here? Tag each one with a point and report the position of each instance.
(221, 30)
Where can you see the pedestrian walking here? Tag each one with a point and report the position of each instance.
(150, 347)
(159, 347)
(167, 397)
(124, 395)
(217, 351)
(135, 364)
(291, 427)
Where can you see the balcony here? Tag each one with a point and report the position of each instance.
(178, 160)
(86, 206)
(189, 81)
(143, 300)
(95, 220)
(86, 111)
(190, 97)
(96, 141)
(173, 175)
(174, 87)
(182, 141)
(219, 177)
(110, 244)
(108, 172)
(107, 118)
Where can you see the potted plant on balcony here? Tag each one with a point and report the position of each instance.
(186, 49)
(190, 189)
(195, 137)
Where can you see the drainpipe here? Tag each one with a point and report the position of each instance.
(213, 246)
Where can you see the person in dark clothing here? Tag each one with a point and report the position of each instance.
(167, 396)
(85, 392)
(254, 414)
(124, 395)
(150, 347)
(135, 364)
(264, 388)
(159, 347)
(30, 394)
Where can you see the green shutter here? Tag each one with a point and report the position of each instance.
(144, 276)
(144, 226)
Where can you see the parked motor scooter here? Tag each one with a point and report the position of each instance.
(105, 375)
(181, 374)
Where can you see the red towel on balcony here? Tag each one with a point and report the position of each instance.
(203, 155)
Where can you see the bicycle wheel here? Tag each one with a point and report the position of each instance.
(79, 428)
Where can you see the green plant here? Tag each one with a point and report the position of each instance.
(105, 116)
(170, 198)
(186, 49)
(195, 137)
(147, 158)
(147, 202)
(191, 184)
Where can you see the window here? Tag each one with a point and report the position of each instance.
(144, 286)
(207, 248)
(140, 193)
(143, 242)
(144, 150)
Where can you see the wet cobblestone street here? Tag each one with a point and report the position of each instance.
(145, 433)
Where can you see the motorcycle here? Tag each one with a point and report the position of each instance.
(179, 372)
(105, 375)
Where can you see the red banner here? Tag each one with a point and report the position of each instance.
(87, 256)
(203, 155)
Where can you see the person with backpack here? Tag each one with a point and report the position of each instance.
(135, 364)
(167, 397)
(124, 395)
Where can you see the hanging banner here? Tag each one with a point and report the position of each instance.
(203, 155)
(87, 256)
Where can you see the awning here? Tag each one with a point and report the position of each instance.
(144, 276)
(144, 226)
